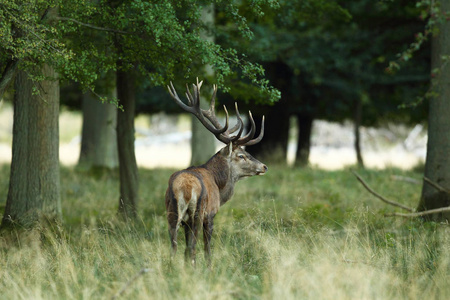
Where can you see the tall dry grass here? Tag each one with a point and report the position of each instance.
(293, 234)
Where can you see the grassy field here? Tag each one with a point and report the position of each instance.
(292, 234)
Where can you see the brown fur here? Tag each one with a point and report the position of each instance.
(195, 194)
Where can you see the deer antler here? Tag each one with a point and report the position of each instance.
(248, 140)
(195, 109)
(223, 134)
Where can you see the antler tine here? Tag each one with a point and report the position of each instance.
(188, 94)
(239, 124)
(210, 113)
(243, 140)
(177, 99)
(195, 109)
(225, 137)
(260, 136)
(212, 105)
(194, 100)
(211, 116)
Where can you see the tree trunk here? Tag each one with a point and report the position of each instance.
(129, 178)
(357, 118)
(99, 139)
(437, 164)
(304, 122)
(273, 147)
(203, 142)
(34, 187)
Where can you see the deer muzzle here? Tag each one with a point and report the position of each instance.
(262, 170)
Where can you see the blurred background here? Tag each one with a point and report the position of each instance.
(353, 77)
(163, 140)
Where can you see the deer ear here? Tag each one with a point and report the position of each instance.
(227, 150)
(230, 149)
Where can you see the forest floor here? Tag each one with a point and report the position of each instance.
(295, 233)
(163, 141)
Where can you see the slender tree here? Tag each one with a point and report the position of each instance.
(305, 122)
(128, 171)
(98, 137)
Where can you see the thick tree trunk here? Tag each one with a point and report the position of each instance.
(273, 147)
(129, 179)
(304, 122)
(437, 164)
(99, 139)
(34, 187)
(203, 142)
(357, 119)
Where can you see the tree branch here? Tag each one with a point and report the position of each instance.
(92, 26)
(406, 179)
(436, 186)
(379, 196)
(8, 75)
(419, 214)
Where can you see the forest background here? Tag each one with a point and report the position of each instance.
(370, 63)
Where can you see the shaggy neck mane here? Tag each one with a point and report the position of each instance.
(220, 169)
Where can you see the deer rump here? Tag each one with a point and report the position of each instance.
(189, 199)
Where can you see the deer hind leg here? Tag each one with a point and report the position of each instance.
(173, 229)
(188, 237)
(208, 225)
(191, 227)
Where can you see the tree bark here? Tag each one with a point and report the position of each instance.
(304, 122)
(99, 139)
(273, 147)
(437, 164)
(34, 187)
(129, 177)
(203, 143)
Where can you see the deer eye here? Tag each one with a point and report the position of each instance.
(241, 156)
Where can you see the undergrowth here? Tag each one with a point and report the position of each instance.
(292, 234)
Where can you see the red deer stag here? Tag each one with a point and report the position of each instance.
(195, 194)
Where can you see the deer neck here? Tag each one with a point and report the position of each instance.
(223, 177)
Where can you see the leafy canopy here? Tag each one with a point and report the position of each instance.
(162, 39)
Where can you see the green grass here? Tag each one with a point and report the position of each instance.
(292, 234)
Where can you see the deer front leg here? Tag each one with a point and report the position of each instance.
(208, 225)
